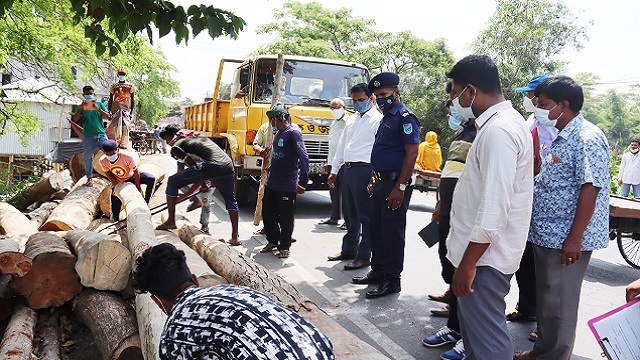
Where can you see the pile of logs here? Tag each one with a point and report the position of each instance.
(57, 254)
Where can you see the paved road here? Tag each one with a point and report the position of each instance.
(397, 323)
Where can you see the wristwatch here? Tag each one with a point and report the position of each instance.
(402, 187)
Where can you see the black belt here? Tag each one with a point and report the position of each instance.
(356, 164)
(386, 175)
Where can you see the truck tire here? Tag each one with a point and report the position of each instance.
(243, 191)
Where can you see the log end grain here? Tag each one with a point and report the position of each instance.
(14, 263)
(55, 225)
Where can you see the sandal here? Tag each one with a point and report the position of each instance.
(343, 227)
(165, 227)
(533, 336)
(525, 355)
(329, 222)
(282, 254)
(268, 248)
(234, 243)
(259, 232)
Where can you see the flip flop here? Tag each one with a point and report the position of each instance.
(259, 232)
(283, 254)
(165, 227)
(234, 243)
(268, 248)
(343, 227)
(328, 222)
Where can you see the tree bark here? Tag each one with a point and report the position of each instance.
(241, 270)
(41, 214)
(12, 261)
(197, 265)
(153, 169)
(141, 236)
(49, 333)
(52, 280)
(104, 201)
(76, 167)
(47, 185)
(112, 323)
(17, 341)
(103, 263)
(15, 224)
(78, 208)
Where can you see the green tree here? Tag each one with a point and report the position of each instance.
(107, 23)
(523, 36)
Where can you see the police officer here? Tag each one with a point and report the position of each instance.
(392, 159)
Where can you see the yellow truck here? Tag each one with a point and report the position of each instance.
(236, 111)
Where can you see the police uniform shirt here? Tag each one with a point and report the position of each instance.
(398, 127)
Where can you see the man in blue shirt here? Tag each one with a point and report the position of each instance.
(393, 157)
(570, 214)
(288, 176)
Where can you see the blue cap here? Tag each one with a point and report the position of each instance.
(109, 145)
(384, 80)
(533, 83)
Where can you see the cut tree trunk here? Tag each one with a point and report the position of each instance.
(17, 341)
(76, 167)
(49, 334)
(154, 170)
(103, 263)
(15, 224)
(42, 213)
(78, 208)
(6, 297)
(47, 185)
(12, 261)
(52, 280)
(141, 236)
(197, 265)
(104, 201)
(241, 270)
(112, 322)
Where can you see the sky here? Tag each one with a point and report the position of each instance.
(611, 50)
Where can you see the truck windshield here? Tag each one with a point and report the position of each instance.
(307, 82)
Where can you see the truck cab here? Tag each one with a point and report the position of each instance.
(238, 109)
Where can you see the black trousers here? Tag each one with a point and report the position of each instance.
(526, 278)
(277, 214)
(336, 196)
(145, 179)
(447, 273)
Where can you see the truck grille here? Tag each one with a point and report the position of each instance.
(317, 150)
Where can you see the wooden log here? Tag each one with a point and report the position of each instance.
(17, 341)
(52, 280)
(103, 263)
(76, 167)
(42, 213)
(141, 236)
(49, 333)
(154, 170)
(112, 323)
(78, 208)
(47, 185)
(15, 224)
(197, 265)
(6, 297)
(12, 261)
(104, 201)
(242, 270)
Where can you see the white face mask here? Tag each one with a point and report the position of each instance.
(634, 151)
(112, 158)
(542, 115)
(121, 77)
(466, 112)
(337, 113)
(528, 104)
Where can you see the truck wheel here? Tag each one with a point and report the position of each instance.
(243, 190)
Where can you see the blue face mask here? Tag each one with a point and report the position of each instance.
(385, 103)
(455, 120)
(89, 97)
(362, 106)
(275, 128)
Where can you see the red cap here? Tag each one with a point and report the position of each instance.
(121, 71)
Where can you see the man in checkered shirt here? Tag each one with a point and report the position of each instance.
(224, 321)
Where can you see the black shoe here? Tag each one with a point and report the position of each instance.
(388, 286)
(343, 255)
(371, 278)
(357, 264)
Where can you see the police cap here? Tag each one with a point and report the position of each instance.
(384, 80)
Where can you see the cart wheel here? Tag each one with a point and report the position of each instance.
(630, 249)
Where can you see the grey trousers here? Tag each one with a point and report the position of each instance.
(558, 296)
(482, 317)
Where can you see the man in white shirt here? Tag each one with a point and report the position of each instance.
(340, 115)
(491, 208)
(354, 154)
(629, 175)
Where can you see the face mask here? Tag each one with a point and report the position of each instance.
(542, 115)
(337, 113)
(121, 78)
(455, 120)
(385, 103)
(89, 97)
(112, 158)
(274, 128)
(466, 112)
(362, 106)
(528, 104)
(634, 151)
